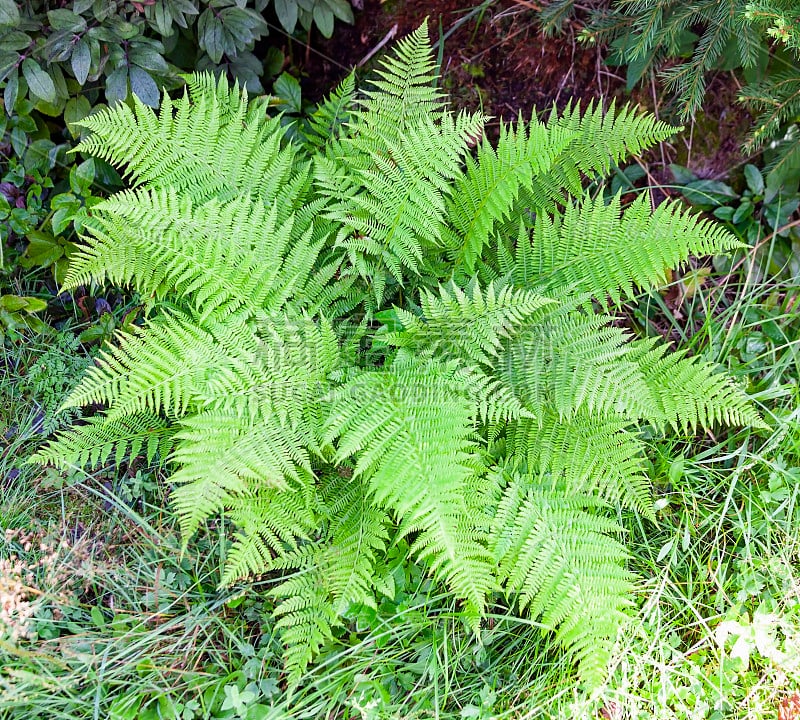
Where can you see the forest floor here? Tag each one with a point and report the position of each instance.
(500, 61)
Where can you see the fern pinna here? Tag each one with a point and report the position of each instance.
(384, 328)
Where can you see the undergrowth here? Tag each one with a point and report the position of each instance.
(113, 614)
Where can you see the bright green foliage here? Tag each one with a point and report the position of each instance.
(557, 554)
(493, 421)
(95, 442)
(535, 162)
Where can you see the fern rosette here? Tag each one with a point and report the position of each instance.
(379, 330)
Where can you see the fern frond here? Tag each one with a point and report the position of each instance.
(570, 363)
(342, 566)
(93, 443)
(357, 537)
(485, 193)
(321, 437)
(468, 324)
(330, 117)
(389, 178)
(586, 455)
(221, 257)
(267, 523)
(305, 615)
(598, 249)
(407, 82)
(595, 140)
(410, 436)
(160, 368)
(398, 204)
(222, 455)
(209, 143)
(565, 566)
(691, 393)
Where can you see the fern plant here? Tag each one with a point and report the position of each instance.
(385, 328)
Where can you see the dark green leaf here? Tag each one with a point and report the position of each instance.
(76, 109)
(59, 46)
(39, 82)
(148, 59)
(19, 140)
(81, 177)
(97, 616)
(286, 10)
(143, 86)
(754, 179)
(60, 82)
(636, 69)
(62, 218)
(724, 213)
(126, 30)
(8, 63)
(64, 19)
(708, 192)
(105, 174)
(323, 17)
(744, 210)
(117, 85)
(15, 40)
(10, 93)
(94, 49)
(38, 156)
(273, 61)
(9, 13)
(81, 61)
(162, 16)
(101, 330)
(42, 251)
(28, 304)
(243, 26)
(287, 89)
(209, 33)
(342, 10)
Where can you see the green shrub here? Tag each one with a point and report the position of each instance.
(68, 54)
(375, 332)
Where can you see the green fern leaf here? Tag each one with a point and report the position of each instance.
(691, 393)
(592, 142)
(222, 455)
(342, 568)
(92, 444)
(220, 256)
(330, 117)
(210, 143)
(586, 455)
(566, 567)
(597, 249)
(411, 443)
(268, 521)
(486, 192)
